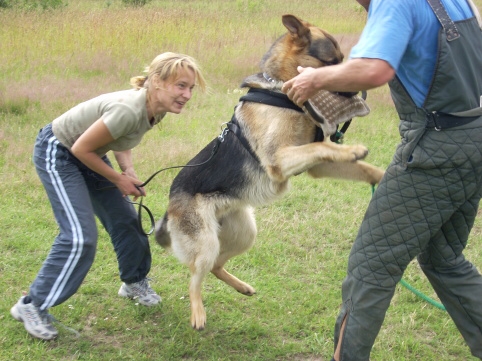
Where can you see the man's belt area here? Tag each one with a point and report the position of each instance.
(440, 120)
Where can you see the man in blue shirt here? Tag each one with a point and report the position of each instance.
(430, 53)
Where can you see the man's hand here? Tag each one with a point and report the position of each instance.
(301, 87)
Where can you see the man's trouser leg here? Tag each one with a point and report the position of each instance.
(456, 281)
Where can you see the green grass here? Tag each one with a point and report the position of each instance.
(51, 60)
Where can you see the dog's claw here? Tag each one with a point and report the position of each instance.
(201, 328)
(198, 325)
(248, 293)
(246, 290)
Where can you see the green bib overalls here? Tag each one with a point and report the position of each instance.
(426, 204)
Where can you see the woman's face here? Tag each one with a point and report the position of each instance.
(172, 95)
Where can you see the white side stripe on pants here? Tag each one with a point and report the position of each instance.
(77, 235)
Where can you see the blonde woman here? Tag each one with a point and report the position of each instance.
(70, 158)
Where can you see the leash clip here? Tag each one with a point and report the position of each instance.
(224, 131)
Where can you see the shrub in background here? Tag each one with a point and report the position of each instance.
(32, 4)
(134, 2)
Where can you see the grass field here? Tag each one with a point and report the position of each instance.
(51, 60)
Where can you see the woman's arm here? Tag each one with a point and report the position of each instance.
(96, 136)
(124, 159)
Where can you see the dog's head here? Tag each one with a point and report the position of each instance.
(304, 45)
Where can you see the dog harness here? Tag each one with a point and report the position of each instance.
(281, 100)
(233, 126)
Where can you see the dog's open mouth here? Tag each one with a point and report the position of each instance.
(328, 109)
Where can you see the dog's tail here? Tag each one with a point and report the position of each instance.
(162, 234)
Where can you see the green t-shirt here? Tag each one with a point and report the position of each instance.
(123, 112)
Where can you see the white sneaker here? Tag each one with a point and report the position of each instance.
(140, 291)
(37, 323)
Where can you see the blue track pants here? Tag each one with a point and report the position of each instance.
(76, 194)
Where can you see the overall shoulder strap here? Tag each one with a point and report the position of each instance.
(443, 17)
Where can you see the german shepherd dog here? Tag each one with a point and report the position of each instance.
(210, 217)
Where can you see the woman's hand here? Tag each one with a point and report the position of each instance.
(124, 159)
(129, 186)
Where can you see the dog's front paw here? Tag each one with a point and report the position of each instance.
(347, 153)
(358, 152)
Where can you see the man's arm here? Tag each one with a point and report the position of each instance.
(352, 76)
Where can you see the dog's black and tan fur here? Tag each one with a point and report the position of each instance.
(210, 217)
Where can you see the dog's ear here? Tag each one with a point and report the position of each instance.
(297, 27)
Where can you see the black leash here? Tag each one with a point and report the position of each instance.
(141, 207)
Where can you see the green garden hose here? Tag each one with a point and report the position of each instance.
(422, 295)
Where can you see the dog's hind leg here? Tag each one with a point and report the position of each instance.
(194, 241)
(198, 313)
(203, 260)
(236, 236)
(202, 264)
(233, 281)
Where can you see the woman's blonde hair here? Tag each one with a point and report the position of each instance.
(168, 66)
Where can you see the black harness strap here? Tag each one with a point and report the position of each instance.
(269, 97)
(233, 126)
(277, 99)
(281, 100)
(260, 96)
